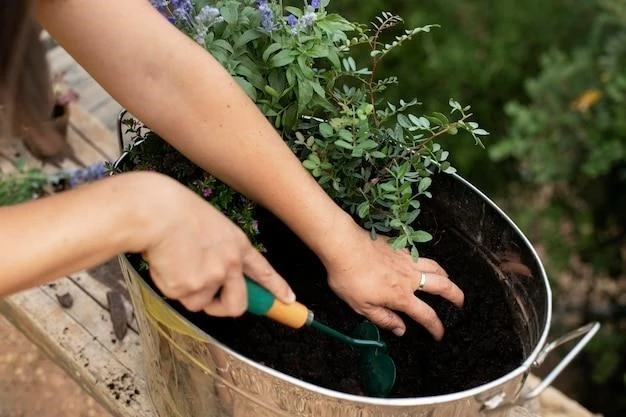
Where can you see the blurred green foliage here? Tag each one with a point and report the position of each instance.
(548, 80)
(483, 52)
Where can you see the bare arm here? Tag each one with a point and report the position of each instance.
(185, 95)
(45, 239)
(192, 248)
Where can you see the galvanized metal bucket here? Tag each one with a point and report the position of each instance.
(191, 374)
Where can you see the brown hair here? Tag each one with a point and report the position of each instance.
(26, 99)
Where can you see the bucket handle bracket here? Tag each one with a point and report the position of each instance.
(587, 332)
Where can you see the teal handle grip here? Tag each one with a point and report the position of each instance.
(260, 300)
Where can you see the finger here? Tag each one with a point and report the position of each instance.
(168, 288)
(259, 269)
(428, 265)
(233, 299)
(441, 285)
(386, 319)
(424, 315)
(199, 300)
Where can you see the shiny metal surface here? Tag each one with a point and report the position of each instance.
(190, 374)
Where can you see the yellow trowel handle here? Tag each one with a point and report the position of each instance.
(262, 303)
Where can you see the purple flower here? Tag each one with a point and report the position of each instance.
(207, 192)
(87, 174)
(316, 4)
(207, 15)
(181, 9)
(174, 10)
(308, 19)
(267, 15)
(292, 20)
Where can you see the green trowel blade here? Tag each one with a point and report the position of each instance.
(377, 371)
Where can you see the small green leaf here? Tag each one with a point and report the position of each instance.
(346, 135)
(230, 13)
(368, 144)
(363, 209)
(421, 236)
(308, 164)
(404, 121)
(313, 157)
(343, 144)
(424, 184)
(326, 130)
(282, 58)
(248, 36)
(388, 186)
(414, 253)
(269, 90)
(224, 45)
(442, 118)
(294, 11)
(395, 223)
(399, 242)
(270, 50)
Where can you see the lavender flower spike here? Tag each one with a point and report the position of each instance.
(292, 20)
(207, 14)
(316, 4)
(308, 19)
(88, 174)
(267, 15)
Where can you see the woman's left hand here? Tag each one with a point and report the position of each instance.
(376, 280)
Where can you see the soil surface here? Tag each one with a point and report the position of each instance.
(480, 345)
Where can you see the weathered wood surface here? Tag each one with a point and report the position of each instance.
(80, 338)
(92, 97)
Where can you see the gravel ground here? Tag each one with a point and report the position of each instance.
(31, 385)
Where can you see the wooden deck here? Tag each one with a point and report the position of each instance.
(81, 337)
(92, 97)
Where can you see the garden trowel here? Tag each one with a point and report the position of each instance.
(377, 371)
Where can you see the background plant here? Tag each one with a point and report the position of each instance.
(29, 183)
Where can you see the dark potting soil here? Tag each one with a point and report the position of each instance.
(480, 345)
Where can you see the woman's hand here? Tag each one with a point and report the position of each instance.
(375, 280)
(196, 253)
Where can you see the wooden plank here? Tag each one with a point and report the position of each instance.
(553, 403)
(108, 113)
(94, 132)
(80, 340)
(97, 285)
(12, 149)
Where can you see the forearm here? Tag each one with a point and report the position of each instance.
(45, 239)
(183, 93)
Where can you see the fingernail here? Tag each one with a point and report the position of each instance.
(398, 331)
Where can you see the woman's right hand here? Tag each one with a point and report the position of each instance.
(197, 255)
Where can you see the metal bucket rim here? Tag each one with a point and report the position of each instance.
(397, 402)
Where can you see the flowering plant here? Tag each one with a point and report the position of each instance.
(26, 183)
(373, 157)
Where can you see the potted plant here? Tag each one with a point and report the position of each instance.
(383, 163)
